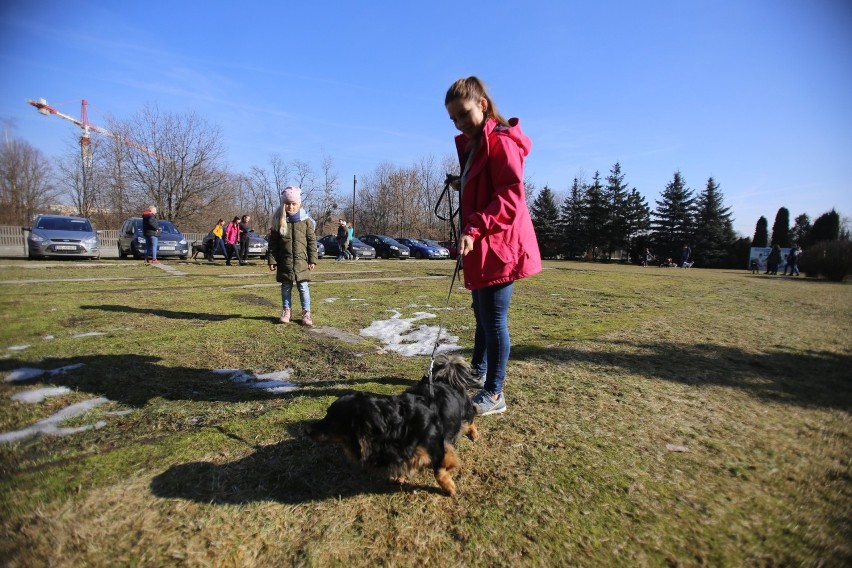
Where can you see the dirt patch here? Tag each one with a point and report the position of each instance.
(336, 333)
(253, 300)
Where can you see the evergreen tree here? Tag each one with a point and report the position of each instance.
(761, 233)
(826, 228)
(596, 217)
(714, 231)
(672, 223)
(781, 229)
(801, 229)
(545, 218)
(637, 220)
(572, 219)
(615, 197)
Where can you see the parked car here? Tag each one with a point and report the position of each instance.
(59, 235)
(329, 242)
(257, 245)
(444, 250)
(320, 249)
(386, 247)
(131, 240)
(420, 249)
(450, 246)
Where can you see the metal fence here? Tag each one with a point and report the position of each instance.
(13, 240)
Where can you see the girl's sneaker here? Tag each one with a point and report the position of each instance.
(285, 316)
(486, 405)
(306, 318)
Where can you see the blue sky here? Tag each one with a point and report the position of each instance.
(756, 93)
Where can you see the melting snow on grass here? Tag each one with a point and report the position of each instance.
(399, 334)
(50, 426)
(275, 382)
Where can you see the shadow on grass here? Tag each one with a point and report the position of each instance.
(294, 471)
(815, 378)
(171, 314)
(133, 380)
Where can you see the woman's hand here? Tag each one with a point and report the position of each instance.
(311, 267)
(273, 267)
(465, 245)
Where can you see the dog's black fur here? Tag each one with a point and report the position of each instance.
(405, 433)
(198, 248)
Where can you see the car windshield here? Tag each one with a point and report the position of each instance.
(357, 241)
(64, 224)
(168, 227)
(431, 243)
(388, 241)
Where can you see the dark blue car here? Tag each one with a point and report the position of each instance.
(420, 249)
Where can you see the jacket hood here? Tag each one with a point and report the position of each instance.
(513, 131)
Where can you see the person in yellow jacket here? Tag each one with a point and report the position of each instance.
(218, 231)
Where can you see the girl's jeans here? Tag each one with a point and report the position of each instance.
(304, 294)
(491, 344)
(152, 247)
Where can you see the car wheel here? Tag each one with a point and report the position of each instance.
(418, 255)
(385, 255)
(136, 254)
(121, 253)
(183, 257)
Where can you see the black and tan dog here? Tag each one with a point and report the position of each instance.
(408, 432)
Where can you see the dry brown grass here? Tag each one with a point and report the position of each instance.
(612, 369)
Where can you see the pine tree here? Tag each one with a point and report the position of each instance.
(826, 228)
(572, 220)
(761, 233)
(714, 231)
(637, 220)
(781, 229)
(615, 197)
(545, 218)
(801, 229)
(672, 223)
(596, 216)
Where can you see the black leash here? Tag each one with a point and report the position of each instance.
(447, 192)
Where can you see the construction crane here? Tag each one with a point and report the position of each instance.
(87, 128)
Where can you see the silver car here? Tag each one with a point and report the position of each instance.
(62, 236)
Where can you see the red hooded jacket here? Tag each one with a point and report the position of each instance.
(494, 208)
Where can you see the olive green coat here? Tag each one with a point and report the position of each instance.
(294, 251)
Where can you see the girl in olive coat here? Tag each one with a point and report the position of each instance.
(293, 251)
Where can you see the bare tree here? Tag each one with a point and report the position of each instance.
(26, 186)
(328, 200)
(179, 168)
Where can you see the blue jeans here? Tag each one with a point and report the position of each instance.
(304, 294)
(152, 247)
(342, 253)
(219, 244)
(491, 343)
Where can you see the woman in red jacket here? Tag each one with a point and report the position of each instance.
(498, 241)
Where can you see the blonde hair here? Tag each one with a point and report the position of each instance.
(279, 220)
(473, 89)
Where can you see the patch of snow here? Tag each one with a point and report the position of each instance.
(399, 335)
(88, 334)
(38, 395)
(18, 347)
(48, 337)
(330, 300)
(28, 373)
(275, 382)
(50, 425)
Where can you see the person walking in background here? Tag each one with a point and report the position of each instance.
(218, 232)
(350, 236)
(245, 240)
(293, 252)
(647, 257)
(342, 240)
(498, 242)
(793, 260)
(773, 260)
(232, 235)
(151, 229)
(684, 256)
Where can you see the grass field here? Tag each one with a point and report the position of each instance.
(656, 417)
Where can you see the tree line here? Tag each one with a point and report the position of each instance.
(177, 162)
